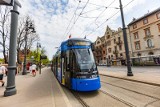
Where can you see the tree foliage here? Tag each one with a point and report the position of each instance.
(35, 57)
(23, 30)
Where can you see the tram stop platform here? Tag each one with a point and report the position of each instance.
(44, 90)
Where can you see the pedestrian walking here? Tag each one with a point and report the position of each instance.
(2, 72)
(34, 70)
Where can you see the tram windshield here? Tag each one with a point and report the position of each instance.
(85, 59)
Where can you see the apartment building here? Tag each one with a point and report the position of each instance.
(110, 47)
(145, 34)
(100, 50)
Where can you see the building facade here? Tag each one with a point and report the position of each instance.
(143, 36)
(100, 50)
(109, 49)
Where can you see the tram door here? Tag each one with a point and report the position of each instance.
(56, 67)
(68, 70)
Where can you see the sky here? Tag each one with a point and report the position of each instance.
(55, 20)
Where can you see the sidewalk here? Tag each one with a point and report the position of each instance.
(142, 77)
(40, 91)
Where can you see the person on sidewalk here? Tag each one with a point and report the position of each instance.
(2, 72)
(34, 69)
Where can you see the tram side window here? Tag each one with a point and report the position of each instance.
(58, 61)
(74, 62)
(56, 64)
(70, 60)
(67, 60)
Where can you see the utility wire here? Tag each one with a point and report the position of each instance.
(87, 17)
(99, 5)
(104, 10)
(92, 10)
(110, 18)
(77, 17)
(99, 15)
(72, 18)
(103, 23)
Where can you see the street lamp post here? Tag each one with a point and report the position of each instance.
(11, 88)
(38, 46)
(25, 51)
(129, 71)
(28, 27)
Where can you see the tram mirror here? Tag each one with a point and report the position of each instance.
(92, 46)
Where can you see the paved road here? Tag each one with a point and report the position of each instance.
(140, 69)
(133, 93)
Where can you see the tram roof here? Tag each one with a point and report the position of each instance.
(74, 39)
(64, 44)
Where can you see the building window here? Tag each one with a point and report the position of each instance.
(109, 50)
(108, 43)
(134, 26)
(98, 42)
(147, 32)
(114, 41)
(120, 47)
(150, 53)
(136, 35)
(121, 55)
(109, 57)
(158, 15)
(104, 52)
(138, 54)
(149, 43)
(108, 36)
(137, 45)
(115, 47)
(145, 21)
(159, 27)
(119, 38)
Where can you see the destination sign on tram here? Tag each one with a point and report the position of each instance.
(82, 43)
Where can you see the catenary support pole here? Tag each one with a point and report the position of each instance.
(129, 70)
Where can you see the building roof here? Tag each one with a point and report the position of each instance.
(146, 15)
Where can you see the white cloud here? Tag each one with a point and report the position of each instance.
(53, 16)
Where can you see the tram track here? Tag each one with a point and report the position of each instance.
(132, 80)
(84, 104)
(118, 99)
(132, 90)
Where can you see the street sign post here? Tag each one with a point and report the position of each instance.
(7, 2)
(42, 57)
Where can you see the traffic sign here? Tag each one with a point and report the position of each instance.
(43, 57)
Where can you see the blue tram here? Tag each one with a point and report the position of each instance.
(74, 65)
